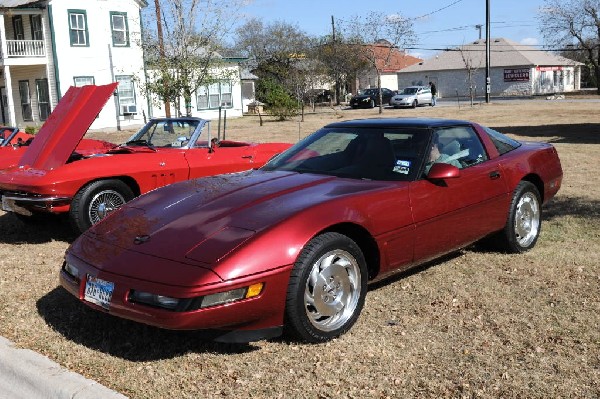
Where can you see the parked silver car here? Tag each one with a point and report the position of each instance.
(412, 96)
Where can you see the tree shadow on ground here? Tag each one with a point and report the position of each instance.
(15, 231)
(571, 206)
(124, 338)
(583, 133)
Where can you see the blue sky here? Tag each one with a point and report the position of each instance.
(438, 23)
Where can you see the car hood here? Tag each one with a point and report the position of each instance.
(66, 126)
(400, 96)
(361, 97)
(203, 220)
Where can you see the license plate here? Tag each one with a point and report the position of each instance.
(98, 291)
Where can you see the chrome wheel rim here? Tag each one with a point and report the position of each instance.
(104, 203)
(527, 219)
(332, 291)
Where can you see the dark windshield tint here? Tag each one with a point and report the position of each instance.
(358, 153)
(502, 143)
(410, 90)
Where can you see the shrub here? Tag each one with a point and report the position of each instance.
(278, 100)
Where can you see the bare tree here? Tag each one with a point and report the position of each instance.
(376, 37)
(193, 32)
(574, 22)
(338, 57)
(471, 68)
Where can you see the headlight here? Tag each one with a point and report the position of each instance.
(156, 300)
(222, 298)
(190, 304)
(71, 270)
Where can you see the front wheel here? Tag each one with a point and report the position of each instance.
(96, 200)
(414, 104)
(327, 288)
(524, 219)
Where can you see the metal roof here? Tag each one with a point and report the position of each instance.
(503, 53)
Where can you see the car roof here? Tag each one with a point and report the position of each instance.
(400, 123)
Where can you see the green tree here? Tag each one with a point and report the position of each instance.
(278, 100)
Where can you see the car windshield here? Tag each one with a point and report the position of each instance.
(357, 153)
(410, 90)
(165, 133)
(370, 92)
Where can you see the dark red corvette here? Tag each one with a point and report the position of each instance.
(291, 246)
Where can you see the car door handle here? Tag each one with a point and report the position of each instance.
(247, 156)
(494, 175)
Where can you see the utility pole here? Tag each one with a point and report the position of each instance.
(161, 49)
(337, 79)
(487, 51)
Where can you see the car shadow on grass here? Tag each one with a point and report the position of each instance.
(14, 231)
(582, 133)
(124, 338)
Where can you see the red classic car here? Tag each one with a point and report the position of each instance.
(98, 177)
(290, 247)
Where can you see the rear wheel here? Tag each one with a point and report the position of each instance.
(96, 200)
(524, 219)
(327, 288)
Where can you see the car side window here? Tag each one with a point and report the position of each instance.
(461, 144)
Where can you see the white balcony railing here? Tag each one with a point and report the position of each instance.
(25, 48)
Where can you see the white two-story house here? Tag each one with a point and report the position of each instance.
(49, 45)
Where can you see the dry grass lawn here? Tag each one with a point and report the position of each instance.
(473, 324)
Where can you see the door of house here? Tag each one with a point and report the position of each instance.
(3, 105)
(43, 98)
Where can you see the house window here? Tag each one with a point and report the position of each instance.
(119, 27)
(43, 98)
(214, 96)
(36, 27)
(126, 93)
(79, 81)
(18, 27)
(78, 31)
(25, 100)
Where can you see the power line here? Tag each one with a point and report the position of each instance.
(436, 11)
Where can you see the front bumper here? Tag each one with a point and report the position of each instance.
(405, 102)
(245, 320)
(27, 204)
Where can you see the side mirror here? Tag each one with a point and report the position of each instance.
(440, 171)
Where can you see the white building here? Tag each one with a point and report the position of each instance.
(224, 95)
(46, 46)
(515, 70)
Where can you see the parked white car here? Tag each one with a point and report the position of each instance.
(412, 96)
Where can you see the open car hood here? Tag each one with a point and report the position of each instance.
(66, 126)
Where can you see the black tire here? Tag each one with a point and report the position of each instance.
(524, 219)
(96, 200)
(414, 104)
(327, 289)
